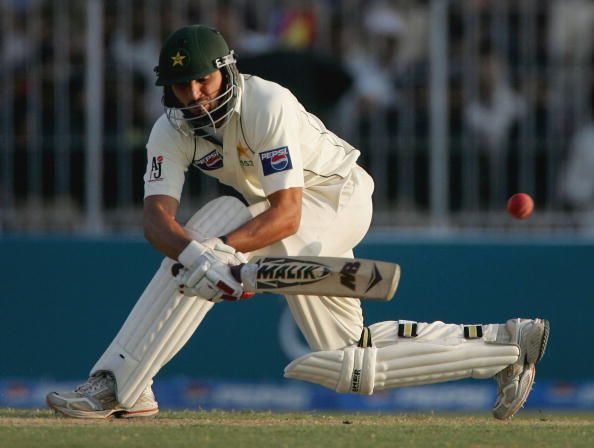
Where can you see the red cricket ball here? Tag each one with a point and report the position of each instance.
(520, 205)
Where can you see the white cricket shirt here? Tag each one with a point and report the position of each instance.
(270, 143)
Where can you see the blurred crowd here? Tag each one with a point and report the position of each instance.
(519, 91)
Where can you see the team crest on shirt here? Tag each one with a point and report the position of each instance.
(276, 160)
(156, 172)
(211, 161)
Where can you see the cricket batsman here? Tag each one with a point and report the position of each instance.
(306, 195)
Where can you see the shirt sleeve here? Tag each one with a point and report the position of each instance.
(274, 135)
(167, 161)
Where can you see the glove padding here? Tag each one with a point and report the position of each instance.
(207, 276)
(223, 251)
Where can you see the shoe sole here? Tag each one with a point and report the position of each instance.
(134, 414)
(537, 346)
(101, 415)
(545, 340)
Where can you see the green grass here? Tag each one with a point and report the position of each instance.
(41, 428)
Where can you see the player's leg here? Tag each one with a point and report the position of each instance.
(327, 322)
(159, 325)
(398, 356)
(405, 353)
(335, 218)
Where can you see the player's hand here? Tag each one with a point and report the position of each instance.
(204, 275)
(209, 279)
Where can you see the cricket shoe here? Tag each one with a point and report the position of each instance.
(96, 398)
(515, 382)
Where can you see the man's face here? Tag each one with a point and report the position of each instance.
(200, 92)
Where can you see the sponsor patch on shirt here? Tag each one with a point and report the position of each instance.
(211, 161)
(156, 172)
(276, 160)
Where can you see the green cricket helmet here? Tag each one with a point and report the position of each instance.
(190, 53)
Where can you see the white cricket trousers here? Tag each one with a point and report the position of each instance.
(335, 218)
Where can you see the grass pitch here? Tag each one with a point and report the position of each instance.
(41, 428)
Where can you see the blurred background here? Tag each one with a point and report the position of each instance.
(454, 104)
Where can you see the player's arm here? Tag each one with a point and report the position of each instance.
(279, 221)
(204, 274)
(161, 228)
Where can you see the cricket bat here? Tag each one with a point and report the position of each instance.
(320, 276)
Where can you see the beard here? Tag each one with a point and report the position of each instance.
(203, 116)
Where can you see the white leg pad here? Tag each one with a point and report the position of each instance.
(163, 320)
(404, 361)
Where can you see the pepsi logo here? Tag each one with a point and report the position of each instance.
(276, 160)
(279, 162)
(212, 160)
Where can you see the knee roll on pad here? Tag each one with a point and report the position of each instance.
(163, 320)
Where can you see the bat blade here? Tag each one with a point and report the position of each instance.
(322, 276)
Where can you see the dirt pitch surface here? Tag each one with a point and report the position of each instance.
(41, 428)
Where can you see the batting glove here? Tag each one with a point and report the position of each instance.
(223, 251)
(202, 274)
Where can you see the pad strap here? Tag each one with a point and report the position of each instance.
(473, 331)
(407, 329)
(365, 339)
